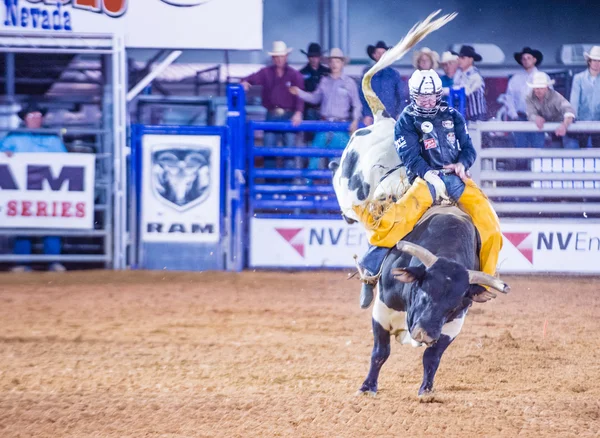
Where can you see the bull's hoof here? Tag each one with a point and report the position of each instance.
(366, 393)
(424, 392)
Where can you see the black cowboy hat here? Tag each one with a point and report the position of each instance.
(535, 53)
(379, 45)
(314, 49)
(469, 52)
(31, 107)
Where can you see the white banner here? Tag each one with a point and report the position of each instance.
(47, 190)
(177, 24)
(305, 243)
(553, 246)
(181, 188)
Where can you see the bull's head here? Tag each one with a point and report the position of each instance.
(443, 289)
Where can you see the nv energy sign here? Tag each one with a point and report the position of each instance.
(199, 24)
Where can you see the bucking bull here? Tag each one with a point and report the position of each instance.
(430, 279)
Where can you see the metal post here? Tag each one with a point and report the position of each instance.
(334, 23)
(475, 170)
(236, 187)
(344, 35)
(10, 76)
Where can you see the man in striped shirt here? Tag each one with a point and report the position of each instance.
(340, 102)
(469, 78)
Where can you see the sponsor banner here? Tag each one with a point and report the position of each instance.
(183, 24)
(560, 247)
(557, 246)
(47, 190)
(305, 243)
(181, 188)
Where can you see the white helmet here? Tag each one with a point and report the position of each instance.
(425, 82)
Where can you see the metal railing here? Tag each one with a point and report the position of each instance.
(555, 181)
(290, 191)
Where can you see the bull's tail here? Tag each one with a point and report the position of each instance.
(416, 34)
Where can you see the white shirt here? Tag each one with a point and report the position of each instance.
(517, 92)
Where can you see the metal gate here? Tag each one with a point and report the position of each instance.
(109, 146)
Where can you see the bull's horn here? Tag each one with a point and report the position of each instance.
(426, 256)
(477, 277)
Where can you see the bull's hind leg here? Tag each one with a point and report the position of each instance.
(381, 351)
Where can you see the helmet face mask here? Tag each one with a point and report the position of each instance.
(425, 92)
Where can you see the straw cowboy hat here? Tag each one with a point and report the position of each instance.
(435, 58)
(337, 53)
(593, 55)
(371, 49)
(280, 49)
(314, 49)
(540, 80)
(449, 56)
(535, 53)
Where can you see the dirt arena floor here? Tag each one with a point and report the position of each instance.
(139, 354)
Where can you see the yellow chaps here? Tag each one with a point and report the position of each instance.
(401, 218)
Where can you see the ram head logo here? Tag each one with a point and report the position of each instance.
(181, 176)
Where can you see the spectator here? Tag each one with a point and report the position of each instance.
(426, 59)
(585, 95)
(449, 64)
(281, 105)
(20, 142)
(387, 84)
(469, 78)
(516, 94)
(312, 73)
(338, 96)
(547, 105)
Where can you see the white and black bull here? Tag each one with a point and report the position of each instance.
(428, 282)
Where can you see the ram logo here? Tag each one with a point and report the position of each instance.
(181, 175)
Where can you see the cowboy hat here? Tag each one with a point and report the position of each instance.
(594, 54)
(379, 45)
(31, 107)
(469, 52)
(337, 53)
(540, 80)
(449, 56)
(280, 49)
(434, 56)
(535, 53)
(314, 49)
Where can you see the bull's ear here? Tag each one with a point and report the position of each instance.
(409, 274)
(480, 294)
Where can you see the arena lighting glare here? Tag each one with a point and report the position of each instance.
(185, 3)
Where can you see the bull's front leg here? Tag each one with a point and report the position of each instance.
(431, 362)
(381, 351)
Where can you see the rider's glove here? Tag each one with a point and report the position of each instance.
(432, 177)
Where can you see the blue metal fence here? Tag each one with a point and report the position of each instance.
(279, 193)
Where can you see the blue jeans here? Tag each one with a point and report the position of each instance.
(272, 138)
(328, 140)
(528, 139)
(23, 245)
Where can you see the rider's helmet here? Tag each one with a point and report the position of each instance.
(425, 88)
